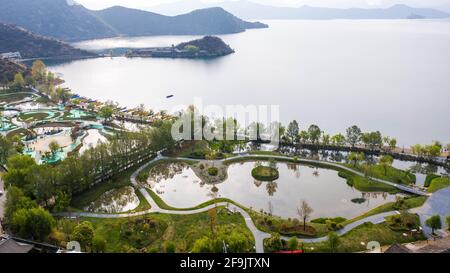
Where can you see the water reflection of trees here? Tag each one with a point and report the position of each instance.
(166, 171)
(374, 195)
(271, 187)
(423, 168)
(295, 168)
(115, 201)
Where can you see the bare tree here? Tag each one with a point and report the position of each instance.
(304, 212)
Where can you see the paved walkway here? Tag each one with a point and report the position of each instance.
(437, 204)
(375, 219)
(257, 234)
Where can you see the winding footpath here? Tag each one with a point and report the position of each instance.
(257, 234)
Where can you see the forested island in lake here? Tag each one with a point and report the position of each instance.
(206, 47)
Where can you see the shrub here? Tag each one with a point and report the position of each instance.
(143, 177)
(274, 243)
(170, 247)
(293, 243)
(213, 171)
(447, 220)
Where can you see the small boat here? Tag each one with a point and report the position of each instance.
(169, 97)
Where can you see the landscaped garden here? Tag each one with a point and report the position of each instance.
(202, 232)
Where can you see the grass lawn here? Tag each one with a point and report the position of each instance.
(33, 116)
(390, 173)
(13, 97)
(366, 185)
(407, 203)
(264, 173)
(438, 184)
(128, 235)
(367, 232)
(21, 132)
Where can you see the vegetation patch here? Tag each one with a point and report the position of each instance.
(155, 232)
(357, 239)
(401, 204)
(385, 172)
(265, 173)
(438, 184)
(365, 184)
(430, 177)
(30, 117)
(287, 227)
(213, 171)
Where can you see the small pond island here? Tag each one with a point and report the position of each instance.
(206, 47)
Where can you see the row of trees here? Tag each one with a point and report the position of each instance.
(52, 186)
(432, 150)
(354, 136)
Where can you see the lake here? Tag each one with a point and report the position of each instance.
(326, 192)
(387, 75)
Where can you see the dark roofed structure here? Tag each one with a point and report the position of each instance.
(398, 248)
(9, 245)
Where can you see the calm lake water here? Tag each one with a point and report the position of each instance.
(327, 193)
(385, 75)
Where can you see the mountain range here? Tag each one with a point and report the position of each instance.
(70, 21)
(30, 45)
(247, 9)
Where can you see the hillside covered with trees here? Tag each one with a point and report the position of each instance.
(30, 45)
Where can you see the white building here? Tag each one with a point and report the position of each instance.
(10, 55)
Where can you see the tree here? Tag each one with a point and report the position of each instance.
(392, 143)
(303, 136)
(54, 148)
(293, 131)
(338, 140)
(293, 243)
(386, 161)
(34, 223)
(15, 200)
(326, 139)
(434, 222)
(355, 157)
(447, 220)
(314, 133)
(98, 244)
(274, 243)
(63, 94)
(6, 147)
(372, 140)
(333, 241)
(353, 135)
(18, 82)
(304, 212)
(106, 112)
(38, 71)
(203, 245)
(83, 233)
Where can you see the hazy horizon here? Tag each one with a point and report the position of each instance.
(147, 4)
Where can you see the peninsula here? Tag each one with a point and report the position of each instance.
(206, 47)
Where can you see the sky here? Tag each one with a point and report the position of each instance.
(445, 4)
